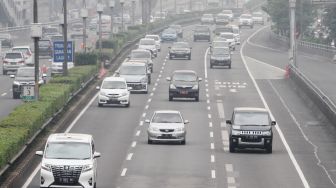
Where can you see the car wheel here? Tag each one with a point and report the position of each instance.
(231, 148)
(170, 57)
(211, 66)
(128, 104)
(4, 72)
(100, 105)
(230, 66)
(197, 98)
(16, 95)
(170, 98)
(183, 142)
(189, 57)
(150, 141)
(95, 185)
(268, 148)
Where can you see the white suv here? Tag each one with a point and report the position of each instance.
(114, 90)
(69, 160)
(157, 41)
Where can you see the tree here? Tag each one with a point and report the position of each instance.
(330, 21)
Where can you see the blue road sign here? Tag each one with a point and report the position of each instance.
(58, 52)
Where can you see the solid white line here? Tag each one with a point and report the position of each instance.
(220, 108)
(231, 180)
(210, 124)
(282, 137)
(229, 167)
(3, 94)
(261, 62)
(212, 145)
(134, 144)
(31, 177)
(213, 174)
(212, 158)
(141, 123)
(129, 156)
(123, 173)
(205, 63)
(209, 116)
(138, 133)
(211, 134)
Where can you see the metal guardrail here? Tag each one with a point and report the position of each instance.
(324, 103)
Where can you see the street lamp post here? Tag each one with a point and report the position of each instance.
(100, 9)
(133, 12)
(292, 5)
(36, 34)
(112, 4)
(160, 9)
(84, 14)
(65, 35)
(122, 14)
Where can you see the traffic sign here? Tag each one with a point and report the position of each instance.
(28, 93)
(58, 52)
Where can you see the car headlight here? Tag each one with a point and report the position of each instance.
(267, 133)
(235, 132)
(144, 80)
(180, 129)
(46, 167)
(153, 129)
(87, 167)
(195, 86)
(103, 93)
(16, 83)
(172, 86)
(124, 94)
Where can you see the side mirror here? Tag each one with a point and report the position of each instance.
(44, 75)
(96, 155)
(186, 121)
(147, 121)
(168, 79)
(12, 76)
(129, 88)
(117, 72)
(148, 72)
(98, 88)
(39, 153)
(199, 79)
(229, 122)
(273, 123)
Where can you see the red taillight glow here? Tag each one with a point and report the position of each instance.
(5, 62)
(21, 62)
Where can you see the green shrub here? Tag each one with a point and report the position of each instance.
(82, 58)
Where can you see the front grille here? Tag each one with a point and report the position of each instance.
(251, 139)
(136, 86)
(183, 88)
(167, 130)
(114, 96)
(66, 175)
(251, 132)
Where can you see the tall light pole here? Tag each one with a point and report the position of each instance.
(122, 14)
(292, 5)
(133, 12)
(160, 9)
(111, 5)
(84, 14)
(100, 9)
(36, 37)
(65, 31)
(175, 6)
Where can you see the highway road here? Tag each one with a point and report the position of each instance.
(304, 149)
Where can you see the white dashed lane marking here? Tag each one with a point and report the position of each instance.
(3, 94)
(210, 124)
(123, 173)
(220, 108)
(144, 114)
(134, 143)
(211, 134)
(212, 158)
(129, 156)
(229, 167)
(209, 116)
(141, 123)
(212, 145)
(213, 174)
(138, 133)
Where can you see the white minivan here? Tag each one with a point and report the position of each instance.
(69, 160)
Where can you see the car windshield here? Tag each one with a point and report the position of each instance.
(152, 37)
(23, 72)
(132, 70)
(220, 44)
(202, 29)
(257, 14)
(220, 51)
(167, 118)
(44, 43)
(245, 16)
(114, 85)
(227, 36)
(180, 45)
(147, 42)
(140, 55)
(13, 56)
(169, 31)
(251, 118)
(65, 150)
(186, 77)
(23, 50)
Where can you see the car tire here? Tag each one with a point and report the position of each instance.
(197, 98)
(170, 57)
(183, 142)
(231, 148)
(128, 104)
(150, 141)
(16, 95)
(230, 66)
(211, 66)
(4, 72)
(100, 105)
(170, 98)
(268, 148)
(189, 57)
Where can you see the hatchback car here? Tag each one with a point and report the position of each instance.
(220, 56)
(69, 160)
(12, 61)
(202, 32)
(157, 41)
(251, 128)
(178, 29)
(184, 84)
(148, 44)
(180, 50)
(167, 126)
(246, 20)
(169, 35)
(114, 90)
(144, 56)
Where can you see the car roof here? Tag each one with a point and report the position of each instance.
(113, 78)
(167, 111)
(147, 39)
(141, 50)
(70, 137)
(184, 71)
(21, 47)
(250, 109)
(152, 36)
(127, 63)
(11, 52)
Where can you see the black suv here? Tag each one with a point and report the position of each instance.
(184, 84)
(180, 50)
(220, 56)
(202, 32)
(251, 128)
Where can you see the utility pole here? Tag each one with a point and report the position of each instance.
(122, 14)
(161, 10)
(292, 5)
(36, 53)
(100, 9)
(65, 35)
(84, 14)
(112, 4)
(175, 6)
(133, 12)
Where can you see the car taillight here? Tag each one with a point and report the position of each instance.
(21, 62)
(5, 62)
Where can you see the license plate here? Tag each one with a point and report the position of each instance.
(13, 63)
(184, 92)
(166, 135)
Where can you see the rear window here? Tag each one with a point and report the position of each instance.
(44, 43)
(13, 56)
(23, 50)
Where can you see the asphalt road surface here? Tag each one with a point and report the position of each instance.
(304, 145)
